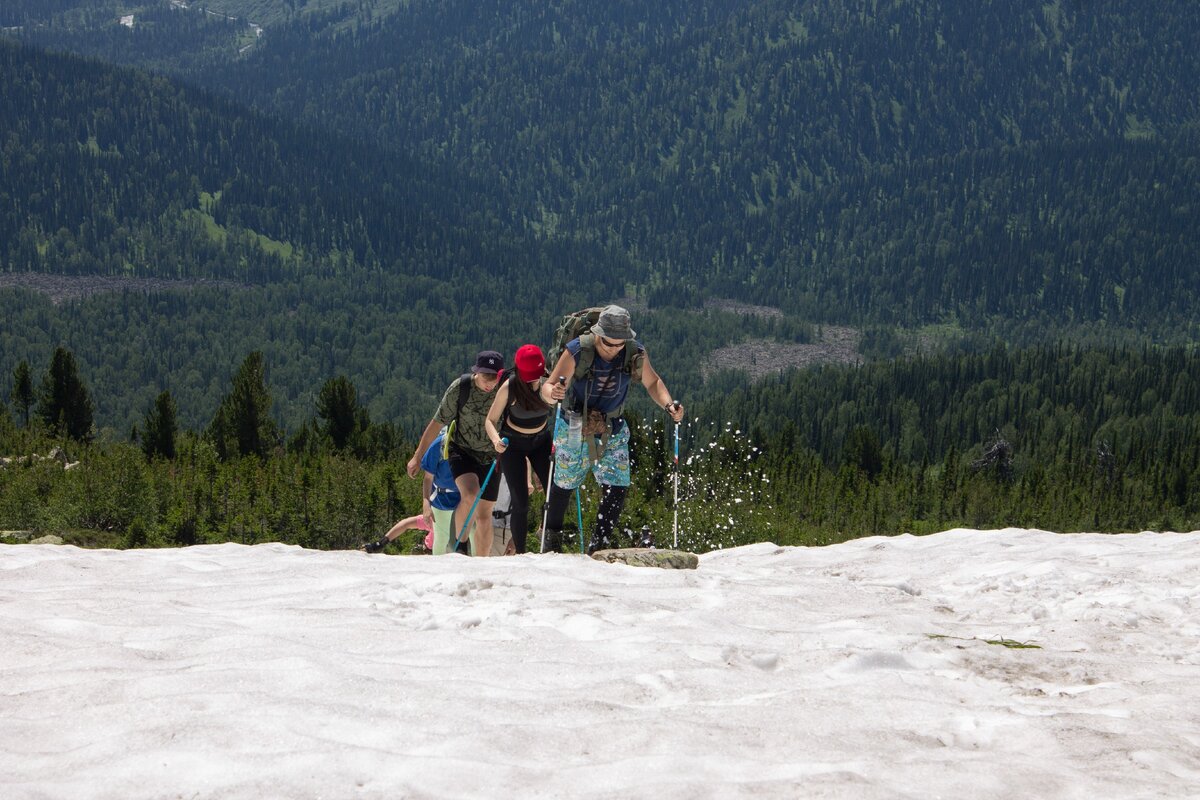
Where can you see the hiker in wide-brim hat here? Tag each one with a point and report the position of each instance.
(598, 368)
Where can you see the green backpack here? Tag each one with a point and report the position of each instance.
(579, 325)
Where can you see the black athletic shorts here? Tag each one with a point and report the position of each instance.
(462, 463)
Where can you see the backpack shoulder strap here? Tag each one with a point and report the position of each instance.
(634, 363)
(507, 379)
(464, 392)
(587, 354)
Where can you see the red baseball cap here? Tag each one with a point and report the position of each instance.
(530, 362)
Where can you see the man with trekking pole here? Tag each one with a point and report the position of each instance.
(463, 410)
(598, 367)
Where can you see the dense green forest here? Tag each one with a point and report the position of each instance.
(374, 190)
(1053, 437)
(343, 259)
(400, 341)
(902, 162)
(112, 171)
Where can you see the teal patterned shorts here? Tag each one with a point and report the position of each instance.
(571, 462)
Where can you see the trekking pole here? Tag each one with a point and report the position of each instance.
(562, 379)
(579, 517)
(676, 524)
(471, 513)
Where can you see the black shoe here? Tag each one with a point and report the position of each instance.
(554, 541)
(647, 538)
(598, 543)
(376, 547)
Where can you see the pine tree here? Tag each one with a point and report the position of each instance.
(22, 391)
(863, 452)
(242, 424)
(65, 405)
(160, 428)
(337, 404)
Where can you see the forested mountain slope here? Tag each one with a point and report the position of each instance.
(113, 171)
(458, 173)
(422, 179)
(835, 157)
(352, 261)
(848, 160)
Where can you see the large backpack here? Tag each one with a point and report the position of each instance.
(579, 324)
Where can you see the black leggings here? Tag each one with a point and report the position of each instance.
(612, 503)
(536, 448)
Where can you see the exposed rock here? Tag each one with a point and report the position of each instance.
(645, 557)
(746, 309)
(64, 288)
(49, 539)
(57, 454)
(16, 536)
(760, 357)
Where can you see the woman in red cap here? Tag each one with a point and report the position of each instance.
(521, 415)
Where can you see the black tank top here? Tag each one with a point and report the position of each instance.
(523, 418)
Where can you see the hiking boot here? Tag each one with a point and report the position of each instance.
(598, 542)
(554, 541)
(376, 546)
(647, 538)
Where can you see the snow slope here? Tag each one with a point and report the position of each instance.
(859, 670)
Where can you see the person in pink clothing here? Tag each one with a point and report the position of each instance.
(416, 522)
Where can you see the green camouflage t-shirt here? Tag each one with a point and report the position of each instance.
(469, 433)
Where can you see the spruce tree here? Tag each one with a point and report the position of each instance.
(160, 428)
(65, 405)
(242, 424)
(337, 405)
(22, 391)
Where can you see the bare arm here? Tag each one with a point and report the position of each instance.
(658, 391)
(431, 432)
(493, 418)
(554, 389)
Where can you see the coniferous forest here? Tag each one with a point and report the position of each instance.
(243, 250)
(1056, 437)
